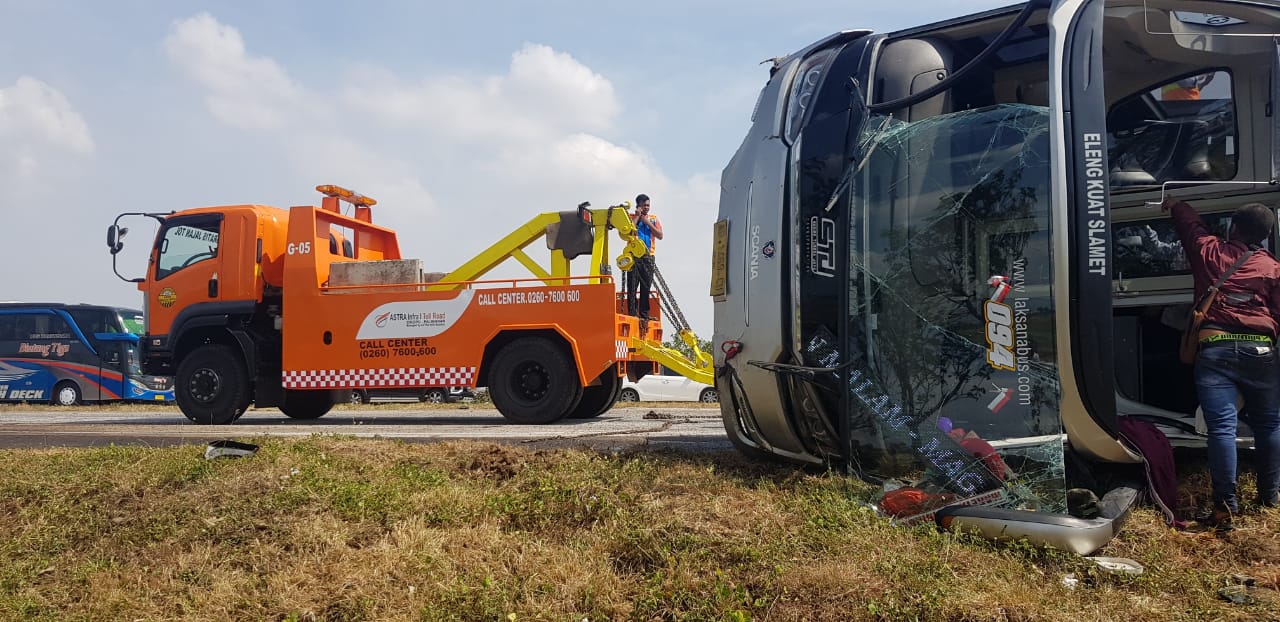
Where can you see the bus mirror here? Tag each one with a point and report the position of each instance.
(115, 237)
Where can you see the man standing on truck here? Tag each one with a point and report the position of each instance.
(1237, 346)
(641, 276)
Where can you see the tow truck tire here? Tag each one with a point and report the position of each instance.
(598, 399)
(66, 393)
(534, 381)
(298, 404)
(212, 385)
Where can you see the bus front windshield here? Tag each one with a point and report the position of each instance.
(133, 322)
(952, 369)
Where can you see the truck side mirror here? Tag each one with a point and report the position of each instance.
(115, 237)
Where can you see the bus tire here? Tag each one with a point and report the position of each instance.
(598, 399)
(212, 385)
(534, 381)
(306, 404)
(65, 393)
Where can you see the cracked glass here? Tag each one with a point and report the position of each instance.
(951, 370)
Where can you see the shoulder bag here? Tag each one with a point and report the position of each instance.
(1190, 344)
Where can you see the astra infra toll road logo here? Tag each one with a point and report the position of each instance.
(381, 320)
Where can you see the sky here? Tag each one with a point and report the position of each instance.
(464, 120)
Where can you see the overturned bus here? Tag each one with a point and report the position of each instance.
(946, 240)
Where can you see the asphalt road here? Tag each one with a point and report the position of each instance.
(658, 427)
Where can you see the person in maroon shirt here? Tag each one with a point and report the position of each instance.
(1237, 346)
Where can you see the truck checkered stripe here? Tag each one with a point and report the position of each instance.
(395, 377)
(620, 349)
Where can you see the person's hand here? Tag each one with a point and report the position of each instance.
(1168, 203)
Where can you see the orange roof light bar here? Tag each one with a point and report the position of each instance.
(354, 198)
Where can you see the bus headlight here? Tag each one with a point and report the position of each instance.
(803, 90)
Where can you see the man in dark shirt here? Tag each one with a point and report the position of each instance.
(1237, 346)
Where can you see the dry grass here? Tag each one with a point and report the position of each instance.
(343, 529)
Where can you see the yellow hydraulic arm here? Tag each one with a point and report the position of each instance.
(512, 246)
(699, 370)
(599, 221)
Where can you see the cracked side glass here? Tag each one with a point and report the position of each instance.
(950, 353)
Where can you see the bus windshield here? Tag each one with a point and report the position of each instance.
(950, 329)
(133, 322)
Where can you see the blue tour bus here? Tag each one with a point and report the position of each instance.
(67, 354)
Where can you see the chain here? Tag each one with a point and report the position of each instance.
(669, 305)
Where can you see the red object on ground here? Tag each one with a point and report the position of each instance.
(906, 501)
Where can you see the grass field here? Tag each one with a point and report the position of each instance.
(344, 529)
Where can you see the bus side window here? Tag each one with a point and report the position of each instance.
(8, 327)
(24, 326)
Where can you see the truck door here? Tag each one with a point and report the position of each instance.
(186, 264)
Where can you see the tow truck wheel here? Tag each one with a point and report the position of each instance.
(212, 385)
(66, 394)
(534, 380)
(306, 404)
(598, 399)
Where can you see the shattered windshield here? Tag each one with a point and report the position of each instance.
(951, 356)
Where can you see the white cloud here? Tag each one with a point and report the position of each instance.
(544, 93)
(244, 91)
(37, 124)
(36, 118)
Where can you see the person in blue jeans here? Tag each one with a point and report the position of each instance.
(1237, 354)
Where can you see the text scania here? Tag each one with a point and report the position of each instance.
(1096, 194)
(754, 266)
(999, 319)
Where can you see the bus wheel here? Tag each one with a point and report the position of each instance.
(598, 399)
(535, 381)
(66, 393)
(306, 404)
(212, 385)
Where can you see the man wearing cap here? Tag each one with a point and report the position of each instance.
(649, 231)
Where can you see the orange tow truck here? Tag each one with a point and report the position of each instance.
(251, 304)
